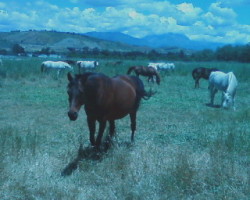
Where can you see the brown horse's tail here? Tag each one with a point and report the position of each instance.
(141, 93)
(158, 79)
(148, 94)
(130, 69)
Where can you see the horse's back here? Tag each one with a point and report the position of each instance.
(112, 98)
(124, 82)
(219, 80)
(202, 72)
(131, 92)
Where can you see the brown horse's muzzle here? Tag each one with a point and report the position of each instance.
(72, 115)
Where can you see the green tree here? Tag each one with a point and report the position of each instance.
(18, 49)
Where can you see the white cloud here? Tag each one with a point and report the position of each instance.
(188, 13)
(188, 9)
(137, 18)
(234, 36)
(219, 16)
(224, 12)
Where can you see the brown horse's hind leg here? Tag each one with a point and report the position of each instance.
(133, 125)
(108, 141)
(91, 125)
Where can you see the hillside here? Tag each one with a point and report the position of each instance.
(60, 42)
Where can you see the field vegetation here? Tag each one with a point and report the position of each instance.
(183, 149)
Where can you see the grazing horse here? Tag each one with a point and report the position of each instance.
(105, 99)
(166, 67)
(163, 66)
(55, 65)
(227, 83)
(150, 72)
(86, 65)
(201, 72)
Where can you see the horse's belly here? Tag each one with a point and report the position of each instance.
(116, 115)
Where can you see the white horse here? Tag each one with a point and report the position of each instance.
(162, 66)
(166, 67)
(227, 83)
(86, 65)
(55, 65)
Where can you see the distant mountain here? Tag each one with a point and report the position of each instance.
(64, 42)
(179, 40)
(156, 41)
(117, 37)
(167, 40)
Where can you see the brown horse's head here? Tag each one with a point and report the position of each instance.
(76, 96)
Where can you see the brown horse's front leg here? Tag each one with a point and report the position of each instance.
(91, 125)
(102, 125)
(133, 124)
(112, 128)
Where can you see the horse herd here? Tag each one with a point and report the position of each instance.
(66, 65)
(107, 99)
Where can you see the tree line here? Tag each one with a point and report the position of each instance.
(237, 53)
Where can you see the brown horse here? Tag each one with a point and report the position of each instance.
(149, 72)
(201, 72)
(105, 99)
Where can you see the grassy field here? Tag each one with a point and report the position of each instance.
(183, 149)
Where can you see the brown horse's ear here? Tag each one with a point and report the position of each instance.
(70, 77)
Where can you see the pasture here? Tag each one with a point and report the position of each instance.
(183, 149)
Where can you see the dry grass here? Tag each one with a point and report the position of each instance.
(183, 149)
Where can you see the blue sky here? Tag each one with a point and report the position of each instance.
(226, 21)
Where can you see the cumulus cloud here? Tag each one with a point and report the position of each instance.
(218, 16)
(134, 17)
(188, 13)
(221, 11)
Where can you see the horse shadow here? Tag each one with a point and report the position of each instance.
(93, 153)
(212, 106)
(87, 153)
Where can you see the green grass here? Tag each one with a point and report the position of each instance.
(183, 149)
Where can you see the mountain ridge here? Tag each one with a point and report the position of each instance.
(64, 42)
(157, 41)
